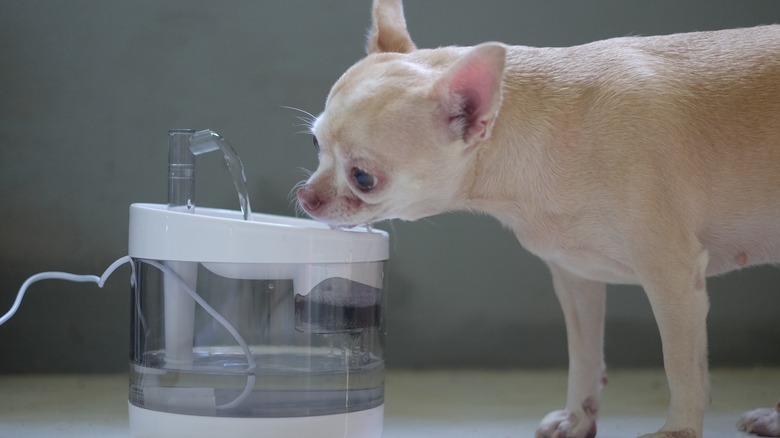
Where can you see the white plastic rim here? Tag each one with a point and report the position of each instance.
(215, 235)
(145, 423)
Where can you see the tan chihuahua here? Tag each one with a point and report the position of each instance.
(645, 160)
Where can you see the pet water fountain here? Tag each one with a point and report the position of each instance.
(248, 325)
(251, 324)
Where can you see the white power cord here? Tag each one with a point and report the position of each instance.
(54, 275)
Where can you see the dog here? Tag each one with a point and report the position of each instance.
(640, 160)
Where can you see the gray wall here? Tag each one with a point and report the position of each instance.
(88, 90)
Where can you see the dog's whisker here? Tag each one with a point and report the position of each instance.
(299, 211)
(306, 173)
(308, 114)
(305, 131)
(307, 118)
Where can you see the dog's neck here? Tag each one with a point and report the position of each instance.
(520, 165)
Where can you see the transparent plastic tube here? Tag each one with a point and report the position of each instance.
(181, 170)
(179, 306)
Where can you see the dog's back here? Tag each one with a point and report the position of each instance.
(693, 117)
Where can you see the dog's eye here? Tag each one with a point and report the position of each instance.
(365, 181)
(316, 143)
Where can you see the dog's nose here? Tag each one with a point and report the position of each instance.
(308, 199)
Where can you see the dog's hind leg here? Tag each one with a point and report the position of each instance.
(583, 304)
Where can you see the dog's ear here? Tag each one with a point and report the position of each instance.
(388, 32)
(470, 92)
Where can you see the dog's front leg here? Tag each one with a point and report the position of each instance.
(583, 303)
(675, 286)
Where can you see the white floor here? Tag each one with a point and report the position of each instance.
(430, 404)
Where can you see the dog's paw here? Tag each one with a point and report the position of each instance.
(761, 422)
(565, 424)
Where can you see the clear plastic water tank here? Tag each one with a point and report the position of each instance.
(272, 327)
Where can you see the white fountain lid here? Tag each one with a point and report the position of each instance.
(215, 235)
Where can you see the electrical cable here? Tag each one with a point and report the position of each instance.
(101, 280)
(55, 275)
